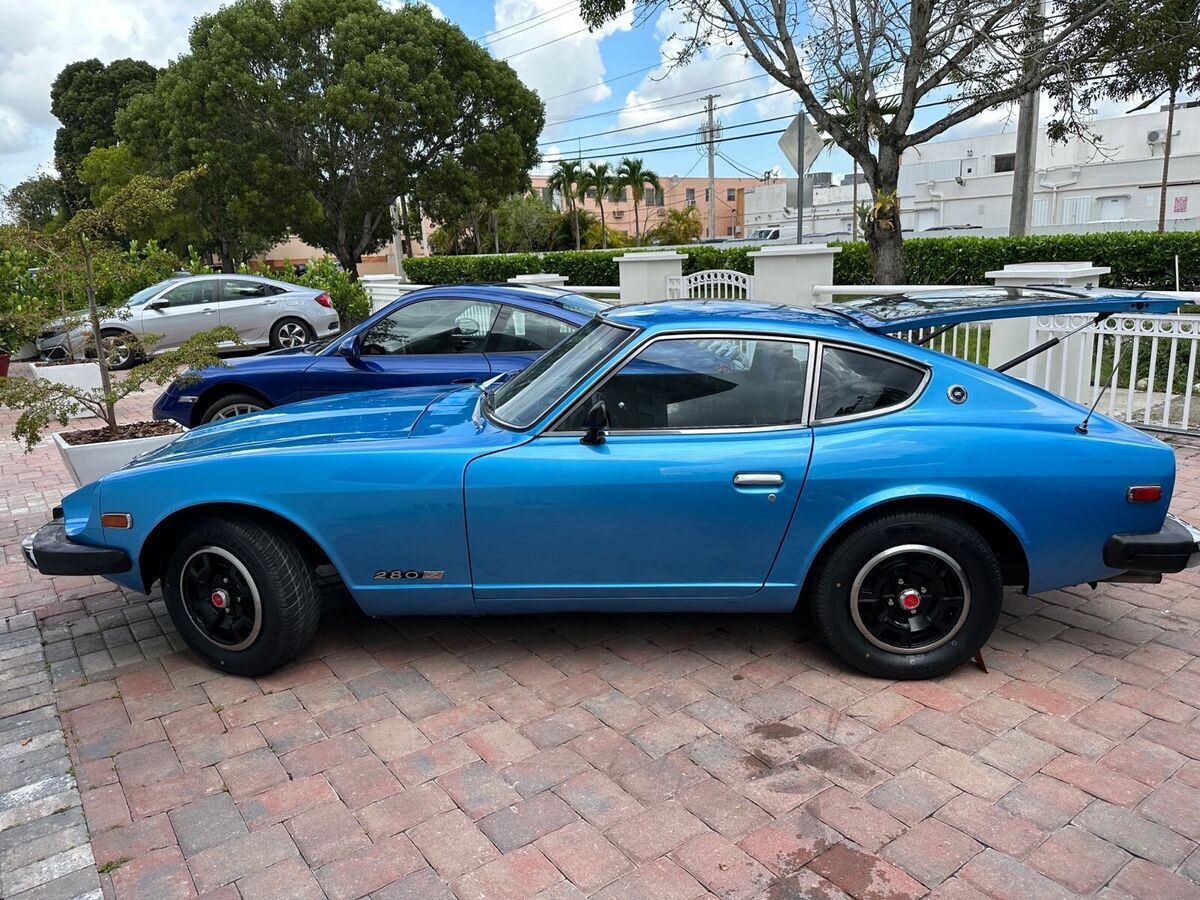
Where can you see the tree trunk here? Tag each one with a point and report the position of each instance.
(637, 225)
(347, 261)
(1166, 172)
(575, 221)
(883, 224)
(603, 230)
(110, 410)
(406, 238)
(226, 257)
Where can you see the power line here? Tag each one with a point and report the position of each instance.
(547, 12)
(545, 44)
(721, 140)
(606, 81)
(658, 102)
(505, 37)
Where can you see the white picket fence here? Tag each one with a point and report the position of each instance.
(712, 284)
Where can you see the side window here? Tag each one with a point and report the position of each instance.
(443, 325)
(522, 331)
(244, 290)
(193, 293)
(705, 383)
(853, 383)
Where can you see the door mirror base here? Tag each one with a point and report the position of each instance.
(595, 423)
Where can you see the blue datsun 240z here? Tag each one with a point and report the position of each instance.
(460, 334)
(709, 456)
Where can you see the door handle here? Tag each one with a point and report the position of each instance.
(758, 479)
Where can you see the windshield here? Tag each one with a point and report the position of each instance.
(146, 293)
(525, 398)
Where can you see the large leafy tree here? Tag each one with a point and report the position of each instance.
(36, 202)
(632, 173)
(908, 70)
(86, 97)
(1151, 52)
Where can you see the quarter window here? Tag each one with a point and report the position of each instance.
(705, 383)
(443, 325)
(854, 383)
(522, 331)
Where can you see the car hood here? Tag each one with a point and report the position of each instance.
(344, 418)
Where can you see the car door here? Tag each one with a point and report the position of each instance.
(519, 336)
(440, 340)
(688, 497)
(186, 309)
(248, 307)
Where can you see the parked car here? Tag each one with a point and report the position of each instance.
(462, 334)
(263, 311)
(702, 456)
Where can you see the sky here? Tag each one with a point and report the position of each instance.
(608, 93)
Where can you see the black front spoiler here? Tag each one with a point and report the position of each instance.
(1172, 549)
(51, 552)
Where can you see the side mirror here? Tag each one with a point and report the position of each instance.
(349, 349)
(595, 423)
(161, 303)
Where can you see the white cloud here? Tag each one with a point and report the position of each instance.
(568, 71)
(553, 153)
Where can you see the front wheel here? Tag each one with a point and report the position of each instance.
(242, 595)
(233, 405)
(908, 595)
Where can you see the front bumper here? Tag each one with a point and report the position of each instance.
(1172, 549)
(51, 552)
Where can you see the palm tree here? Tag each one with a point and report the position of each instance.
(599, 177)
(565, 180)
(633, 173)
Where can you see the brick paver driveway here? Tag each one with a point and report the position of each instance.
(615, 756)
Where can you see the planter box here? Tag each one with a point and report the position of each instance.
(87, 462)
(5, 359)
(84, 375)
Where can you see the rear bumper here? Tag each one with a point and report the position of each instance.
(1172, 549)
(51, 552)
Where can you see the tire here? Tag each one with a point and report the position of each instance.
(213, 577)
(907, 569)
(233, 405)
(121, 349)
(287, 334)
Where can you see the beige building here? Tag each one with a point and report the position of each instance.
(677, 193)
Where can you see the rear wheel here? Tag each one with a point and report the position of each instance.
(242, 595)
(287, 334)
(908, 595)
(233, 405)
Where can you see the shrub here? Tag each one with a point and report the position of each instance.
(348, 296)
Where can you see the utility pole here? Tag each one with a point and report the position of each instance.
(710, 135)
(1025, 161)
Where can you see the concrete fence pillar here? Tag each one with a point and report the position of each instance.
(787, 273)
(1011, 337)
(540, 279)
(643, 276)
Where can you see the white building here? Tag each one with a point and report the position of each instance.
(966, 183)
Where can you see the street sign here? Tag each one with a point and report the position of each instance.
(789, 144)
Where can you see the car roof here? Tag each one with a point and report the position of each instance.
(529, 295)
(735, 315)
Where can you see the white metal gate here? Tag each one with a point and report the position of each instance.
(1148, 362)
(712, 284)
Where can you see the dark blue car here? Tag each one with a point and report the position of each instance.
(459, 334)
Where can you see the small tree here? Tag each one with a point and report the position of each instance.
(598, 178)
(680, 226)
(565, 180)
(632, 173)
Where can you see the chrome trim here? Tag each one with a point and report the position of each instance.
(956, 394)
(186, 398)
(869, 351)
(760, 479)
(896, 551)
(635, 349)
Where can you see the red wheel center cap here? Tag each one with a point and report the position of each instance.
(909, 599)
(219, 598)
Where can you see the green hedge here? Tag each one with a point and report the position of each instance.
(1139, 259)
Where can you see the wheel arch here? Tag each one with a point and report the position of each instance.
(292, 316)
(1000, 535)
(152, 558)
(213, 393)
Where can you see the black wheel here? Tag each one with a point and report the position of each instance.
(908, 595)
(233, 405)
(120, 349)
(242, 595)
(287, 334)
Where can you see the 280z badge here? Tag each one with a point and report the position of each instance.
(408, 575)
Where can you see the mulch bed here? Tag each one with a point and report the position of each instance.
(123, 433)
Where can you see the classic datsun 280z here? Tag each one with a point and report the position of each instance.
(702, 456)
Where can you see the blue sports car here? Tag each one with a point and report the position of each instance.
(709, 456)
(462, 334)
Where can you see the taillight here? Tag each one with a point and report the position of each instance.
(324, 300)
(1144, 493)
